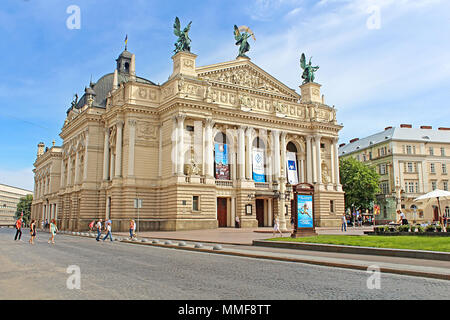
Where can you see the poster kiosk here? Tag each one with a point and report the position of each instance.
(303, 210)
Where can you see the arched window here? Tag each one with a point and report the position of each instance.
(221, 157)
(291, 163)
(258, 161)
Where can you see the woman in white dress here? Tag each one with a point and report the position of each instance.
(276, 227)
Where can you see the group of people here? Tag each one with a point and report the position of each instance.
(98, 226)
(19, 225)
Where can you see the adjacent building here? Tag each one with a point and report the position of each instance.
(211, 143)
(9, 198)
(411, 162)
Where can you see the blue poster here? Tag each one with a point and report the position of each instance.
(304, 211)
(221, 159)
(258, 166)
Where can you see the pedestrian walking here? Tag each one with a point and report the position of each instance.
(53, 229)
(19, 229)
(360, 220)
(108, 232)
(292, 223)
(276, 227)
(131, 229)
(402, 219)
(99, 229)
(344, 223)
(32, 231)
(134, 228)
(91, 225)
(237, 222)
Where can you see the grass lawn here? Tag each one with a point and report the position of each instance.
(396, 242)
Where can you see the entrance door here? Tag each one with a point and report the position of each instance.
(436, 213)
(260, 212)
(222, 212)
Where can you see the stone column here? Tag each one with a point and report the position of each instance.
(283, 167)
(174, 152)
(62, 173)
(302, 170)
(276, 155)
(118, 169)
(131, 143)
(336, 164)
(180, 130)
(209, 147)
(318, 160)
(241, 153)
(249, 154)
(69, 171)
(85, 168)
(309, 162)
(106, 155)
(76, 178)
(160, 150)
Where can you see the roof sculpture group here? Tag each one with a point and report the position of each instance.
(241, 35)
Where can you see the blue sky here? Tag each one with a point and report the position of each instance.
(382, 62)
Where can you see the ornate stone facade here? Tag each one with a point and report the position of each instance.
(161, 144)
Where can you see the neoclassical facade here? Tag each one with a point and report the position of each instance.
(209, 144)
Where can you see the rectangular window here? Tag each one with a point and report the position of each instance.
(410, 167)
(444, 168)
(332, 206)
(383, 168)
(433, 185)
(432, 168)
(443, 152)
(416, 184)
(445, 185)
(431, 151)
(195, 203)
(370, 155)
(408, 149)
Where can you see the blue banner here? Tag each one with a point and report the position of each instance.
(258, 166)
(304, 211)
(221, 159)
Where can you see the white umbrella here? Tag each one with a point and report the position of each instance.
(436, 194)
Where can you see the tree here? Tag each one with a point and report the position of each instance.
(359, 182)
(24, 206)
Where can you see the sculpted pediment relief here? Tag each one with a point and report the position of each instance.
(246, 76)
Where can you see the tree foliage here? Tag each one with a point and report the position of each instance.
(359, 182)
(24, 206)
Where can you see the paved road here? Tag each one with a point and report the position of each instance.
(127, 271)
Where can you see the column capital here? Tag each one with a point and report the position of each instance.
(180, 117)
(209, 122)
(119, 123)
(132, 122)
(276, 132)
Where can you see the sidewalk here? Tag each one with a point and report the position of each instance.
(234, 236)
(238, 242)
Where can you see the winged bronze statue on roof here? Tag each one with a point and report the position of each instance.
(242, 39)
(308, 69)
(184, 42)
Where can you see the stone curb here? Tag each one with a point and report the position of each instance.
(400, 253)
(306, 261)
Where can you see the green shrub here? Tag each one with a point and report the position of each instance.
(430, 228)
(403, 228)
(438, 228)
(420, 229)
(413, 228)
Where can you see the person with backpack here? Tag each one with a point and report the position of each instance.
(32, 231)
(19, 229)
